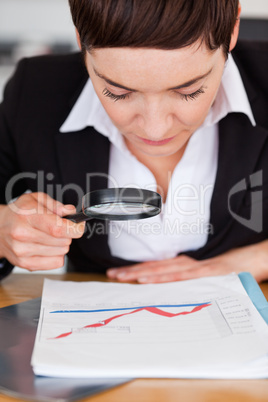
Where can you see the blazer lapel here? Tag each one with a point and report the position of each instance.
(240, 146)
(83, 158)
(84, 161)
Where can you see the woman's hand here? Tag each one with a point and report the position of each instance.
(33, 234)
(253, 259)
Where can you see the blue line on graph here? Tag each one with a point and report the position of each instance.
(128, 308)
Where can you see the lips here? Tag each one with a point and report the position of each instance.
(156, 143)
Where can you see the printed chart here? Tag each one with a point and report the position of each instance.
(154, 310)
(196, 328)
(184, 322)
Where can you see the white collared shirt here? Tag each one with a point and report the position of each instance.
(184, 221)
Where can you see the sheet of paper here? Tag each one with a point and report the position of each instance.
(202, 328)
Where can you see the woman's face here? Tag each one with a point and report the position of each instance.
(156, 98)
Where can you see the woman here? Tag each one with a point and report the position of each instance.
(165, 108)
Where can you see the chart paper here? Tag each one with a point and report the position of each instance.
(201, 328)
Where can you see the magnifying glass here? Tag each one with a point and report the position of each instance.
(118, 204)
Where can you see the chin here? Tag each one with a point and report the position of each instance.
(158, 153)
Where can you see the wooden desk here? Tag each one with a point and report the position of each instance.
(19, 288)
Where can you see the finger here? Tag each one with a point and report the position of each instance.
(151, 268)
(24, 234)
(56, 226)
(114, 272)
(182, 261)
(27, 250)
(54, 206)
(39, 203)
(36, 261)
(39, 263)
(198, 271)
(148, 270)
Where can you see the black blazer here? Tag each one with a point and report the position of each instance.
(39, 98)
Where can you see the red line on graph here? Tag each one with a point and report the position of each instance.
(153, 310)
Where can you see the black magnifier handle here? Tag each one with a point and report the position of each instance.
(77, 218)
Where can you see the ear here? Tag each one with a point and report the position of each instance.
(78, 39)
(236, 30)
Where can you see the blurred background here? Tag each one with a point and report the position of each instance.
(33, 27)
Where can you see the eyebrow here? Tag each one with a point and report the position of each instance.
(114, 84)
(193, 81)
(184, 85)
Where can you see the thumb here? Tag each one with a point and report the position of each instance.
(63, 209)
(54, 206)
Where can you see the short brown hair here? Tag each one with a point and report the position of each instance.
(162, 24)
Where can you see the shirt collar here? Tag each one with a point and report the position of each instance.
(231, 96)
(88, 110)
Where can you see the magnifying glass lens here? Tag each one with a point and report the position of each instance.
(119, 208)
(118, 204)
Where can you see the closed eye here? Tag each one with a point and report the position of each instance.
(193, 95)
(186, 97)
(115, 97)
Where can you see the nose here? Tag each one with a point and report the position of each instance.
(156, 119)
